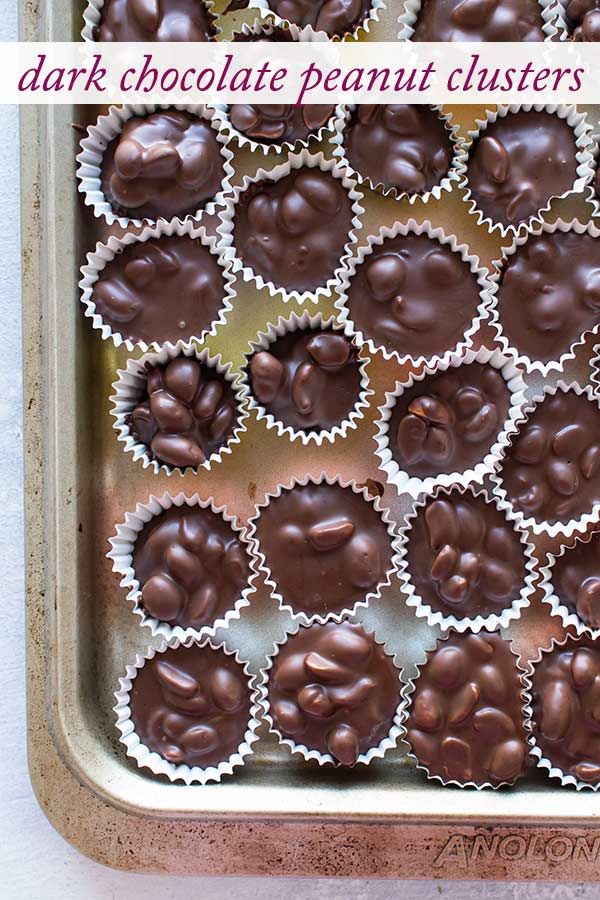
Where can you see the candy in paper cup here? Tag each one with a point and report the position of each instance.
(223, 113)
(407, 20)
(92, 17)
(362, 28)
(585, 594)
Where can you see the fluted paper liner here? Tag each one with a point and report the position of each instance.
(306, 35)
(569, 618)
(150, 759)
(93, 14)
(411, 9)
(361, 29)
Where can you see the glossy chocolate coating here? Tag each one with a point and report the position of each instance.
(566, 708)
(550, 293)
(309, 379)
(333, 689)
(413, 295)
(402, 146)
(277, 124)
(448, 422)
(583, 19)
(465, 721)
(325, 545)
(576, 580)
(479, 21)
(334, 17)
(464, 558)
(276, 36)
(155, 20)
(293, 231)
(164, 289)
(166, 164)
(552, 468)
(191, 566)
(186, 413)
(191, 705)
(519, 163)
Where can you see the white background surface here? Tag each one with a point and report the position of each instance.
(35, 862)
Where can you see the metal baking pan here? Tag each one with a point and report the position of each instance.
(276, 816)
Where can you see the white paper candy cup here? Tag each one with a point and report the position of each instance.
(286, 325)
(265, 27)
(595, 371)
(323, 759)
(436, 234)
(492, 621)
(102, 256)
(411, 8)
(582, 131)
(122, 550)
(295, 161)
(552, 529)
(107, 128)
(568, 617)
(129, 388)
(455, 172)
(362, 28)
(299, 615)
(150, 759)
(413, 485)
(93, 14)
(233, 135)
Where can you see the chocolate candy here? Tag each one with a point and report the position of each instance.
(519, 163)
(576, 580)
(191, 566)
(334, 17)
(279, 124)
(191, 705)
(465, 721)
(552, 468)
(413, 296)
(566, 708)
(583, 19)
(308, 379)
(293, 231)
(479, 21)
(166, 164)
(449, 421)
(332, 688)
(401, 146)
(186, 413)
(550, 293)
(155, 20)
(164, 289)
(326, 547)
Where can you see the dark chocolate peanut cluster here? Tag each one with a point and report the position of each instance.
(479, 21)
(277, 123)
(576, 580)
(334, 17)
(155, 20)
(583, 18)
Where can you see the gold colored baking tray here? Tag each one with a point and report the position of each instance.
(277, 816)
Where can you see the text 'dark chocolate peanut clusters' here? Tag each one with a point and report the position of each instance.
(307, 379)
(566, 708)
(163, 289)
(334, 17)
(333, 689)
(576, 580)
(449, 421)
(188, 412)
(552, 468)
(479, 21)
(519, 163)
(325, 546)
(464, 559)
(465, 721)
(155, 20)
(191, 566)
(413, 296)
(191, 705)
(277, 123)
(583, 20)
(402, 146)
(293, 231)
(166, 164)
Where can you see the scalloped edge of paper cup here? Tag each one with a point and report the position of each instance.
(560, 21)
(595, 371)
(361, 28)
(456, 169)
(103, 255)
(411, 226)
(541, 761)
(127, 393)
(123, 542)
(92, 17)
(474, 624)
(306, 35)
(378, 752)
(560, 610)
(405, 483)
(537, 365)
(300, 616)
(409, 689)
(150, 759)
(551, 529)
(107, 128)
(287, 325)
(295, 161)
(411, 9)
